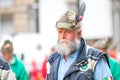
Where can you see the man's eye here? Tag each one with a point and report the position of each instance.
(59, 31)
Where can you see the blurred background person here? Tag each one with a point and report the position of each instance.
(5, 71)
(102, 45)
(44, 65)
(16, 65)
(35, 74)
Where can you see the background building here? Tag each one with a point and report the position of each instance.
(116, 24)
(18, 16)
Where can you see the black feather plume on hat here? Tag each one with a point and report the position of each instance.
(81, 12)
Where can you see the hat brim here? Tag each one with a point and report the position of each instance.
(68, 26)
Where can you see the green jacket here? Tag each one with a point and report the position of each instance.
(18, 67)
(115, 68)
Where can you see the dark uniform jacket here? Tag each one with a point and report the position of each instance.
(81, 69)
(4, 65)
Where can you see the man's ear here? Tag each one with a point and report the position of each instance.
(79, 34)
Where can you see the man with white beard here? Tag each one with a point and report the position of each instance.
(73, 60)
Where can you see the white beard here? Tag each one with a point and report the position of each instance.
(65, 47)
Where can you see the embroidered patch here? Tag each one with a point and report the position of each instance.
(108, 78)
(84, 68)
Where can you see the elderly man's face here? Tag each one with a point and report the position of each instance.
(67, 41)
(66, 34)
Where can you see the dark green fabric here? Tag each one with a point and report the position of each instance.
(19, 69)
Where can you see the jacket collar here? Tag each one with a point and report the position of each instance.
(81, 58)
(81, 51)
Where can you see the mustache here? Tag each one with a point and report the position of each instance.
(63, 41)
(65, 46)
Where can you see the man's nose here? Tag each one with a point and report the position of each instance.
(64, 35)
